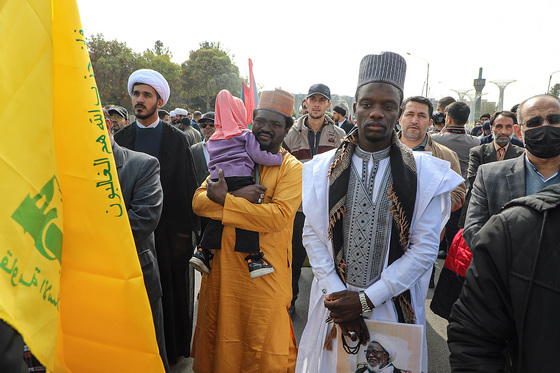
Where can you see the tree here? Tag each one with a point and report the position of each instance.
(159, 59)
(207, 71)
(555, 90)
(112, 63)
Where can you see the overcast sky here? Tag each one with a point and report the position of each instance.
(294, 44)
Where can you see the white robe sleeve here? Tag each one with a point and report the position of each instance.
(321, 260)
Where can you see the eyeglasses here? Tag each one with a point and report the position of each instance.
(375, 352)
(537, 121)
(204, 124)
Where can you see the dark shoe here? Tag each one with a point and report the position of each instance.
(442, 254)
(258, 266)
(201, 260)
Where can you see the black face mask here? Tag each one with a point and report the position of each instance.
(543, 142)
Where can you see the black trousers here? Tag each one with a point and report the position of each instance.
(298, 253)
(245, 241)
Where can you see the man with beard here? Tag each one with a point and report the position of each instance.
(501, 125)
(497, 184)
(374, 213)
(243, 323)
(380, 354)
(150, 91)
(339, 118)
(313, 133)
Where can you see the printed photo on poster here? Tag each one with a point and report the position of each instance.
(393, 348)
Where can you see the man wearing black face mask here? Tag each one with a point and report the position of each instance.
(498, 183)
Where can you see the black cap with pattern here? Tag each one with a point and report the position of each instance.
(387, 67)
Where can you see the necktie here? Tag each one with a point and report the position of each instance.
(501, 154)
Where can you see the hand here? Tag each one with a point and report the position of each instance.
(354, 329)
(251, 193)
(344, 306)
(217, 191)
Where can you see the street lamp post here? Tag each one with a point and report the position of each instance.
(427, 73)
(549, 79)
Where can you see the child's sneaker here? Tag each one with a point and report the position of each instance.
(201, 260)
(258, 266)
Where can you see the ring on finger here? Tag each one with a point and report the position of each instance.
(352, 334)
(259, 200)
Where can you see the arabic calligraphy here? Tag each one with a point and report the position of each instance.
(46, 291)
(103, 140)
(108, 184)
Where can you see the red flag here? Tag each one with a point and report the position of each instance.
(251, 97)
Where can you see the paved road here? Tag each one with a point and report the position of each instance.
(436, 327)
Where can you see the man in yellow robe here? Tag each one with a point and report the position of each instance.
(243, 324)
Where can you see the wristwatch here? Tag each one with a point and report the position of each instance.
(366, 311)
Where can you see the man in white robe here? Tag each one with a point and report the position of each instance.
(394, 259)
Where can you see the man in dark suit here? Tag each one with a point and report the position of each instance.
(143, 197)
(150, 91)
(199, 152)
(339, 118)
(497, 184)
(500, 149)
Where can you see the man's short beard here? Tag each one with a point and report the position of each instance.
(501, 141)
(146, 116)
(317, 117)
(413, 138)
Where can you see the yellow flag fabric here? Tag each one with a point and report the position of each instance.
(70, 278)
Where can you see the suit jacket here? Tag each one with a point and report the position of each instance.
(347, 126)
(486, 153)
(200, 164)
(494, 186)
(143, 197)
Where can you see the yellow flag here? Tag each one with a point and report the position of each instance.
(70, 278)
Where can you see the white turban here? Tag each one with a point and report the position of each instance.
(172, 114)
(386, 343)
(151, 78)
(180, 111)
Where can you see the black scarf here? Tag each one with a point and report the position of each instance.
(402, 194)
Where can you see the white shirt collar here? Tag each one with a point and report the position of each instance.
(153, 125)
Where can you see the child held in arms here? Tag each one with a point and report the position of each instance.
(234, 150)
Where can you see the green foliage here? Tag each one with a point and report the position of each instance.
(159, 59)
(194, 84)
(207, 71)
(555, 90)
(112, 63)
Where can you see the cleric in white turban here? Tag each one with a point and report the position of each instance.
(151, 78)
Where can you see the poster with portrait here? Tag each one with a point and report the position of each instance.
(393, 347)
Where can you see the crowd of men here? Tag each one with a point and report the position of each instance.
(371, 208)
